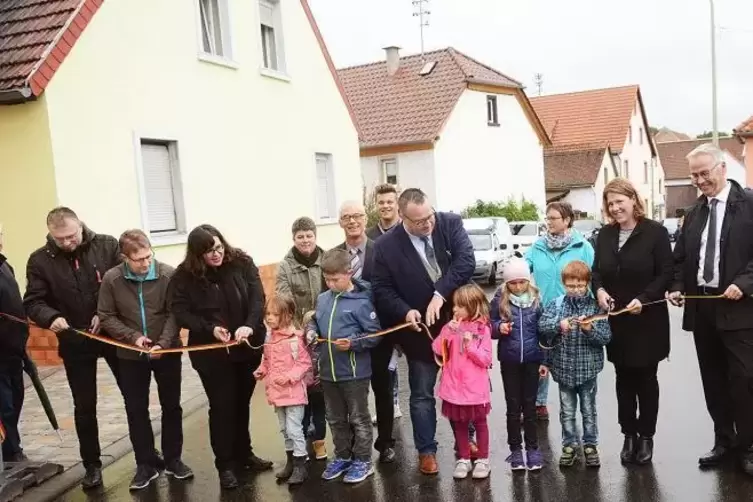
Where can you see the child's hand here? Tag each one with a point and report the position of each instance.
(311, 337)
(467, 336)
(505, 328)
(565, 325)
(259, 374)
(585, 326)
(543, 371)
(342, 344)
(454, 323)
(281, 380)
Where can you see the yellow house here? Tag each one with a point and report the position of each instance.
(165, 115)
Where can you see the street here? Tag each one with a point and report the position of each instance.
(684, 432)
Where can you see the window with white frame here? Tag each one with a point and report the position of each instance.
(626, 172)
(162, 187)
(325, 188)
(645, 172)
(389, 171)
(492, 117)
(606, 175)
(272, 52)
(640, 135)
(215, 29)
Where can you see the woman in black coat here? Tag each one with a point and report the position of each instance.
(217, 295)
(633, 267)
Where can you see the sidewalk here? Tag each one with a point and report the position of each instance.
(41, 443)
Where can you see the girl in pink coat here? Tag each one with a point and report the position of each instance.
(287, 372)
(466, 346)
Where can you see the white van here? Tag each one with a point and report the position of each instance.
(525, 233)
(492, 246)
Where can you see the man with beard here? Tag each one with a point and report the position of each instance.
(386, 201)
(360, 249)
(63, 280)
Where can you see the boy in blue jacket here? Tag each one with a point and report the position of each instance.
(344, 316)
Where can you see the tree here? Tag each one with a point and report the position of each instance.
(372, 212)
(652, 131)
(710, 134)
(513, 210)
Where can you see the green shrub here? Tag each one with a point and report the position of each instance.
(513, 210)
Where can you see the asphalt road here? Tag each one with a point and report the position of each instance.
(684, 432)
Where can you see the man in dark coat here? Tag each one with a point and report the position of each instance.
(13, 337)
(63, 279)
(385, 197)
(417, 268)
(714, 256)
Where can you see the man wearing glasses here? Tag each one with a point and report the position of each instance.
(417, 268)
(63, 279)
(714, 256)
(133, 308)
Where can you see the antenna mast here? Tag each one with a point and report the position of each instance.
(538, 79)
(423, 17)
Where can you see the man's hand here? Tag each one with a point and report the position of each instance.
(565, 325)
(675, 298)
(221, 334)
(59, 324)
(143, 342)
(94, 326)
(243, 333)
(604, 299)
(635, 306)
(342, 344)
(414, 317)
(432, 311)
(733, 293)
(543, 371)
(153, 349)
(505, 328)
(585, 326)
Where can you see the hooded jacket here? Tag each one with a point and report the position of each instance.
(286, 357)
(547, 264)
(521, 345)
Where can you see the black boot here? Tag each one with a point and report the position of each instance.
(92, 479)
(286, 471)
(627, 455)
(300, 473)
(254, 463)
(645, 451)
(228, 481)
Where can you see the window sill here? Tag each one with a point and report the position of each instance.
(218, 60)
(277, 75)
(493, 124)
(327, 221)
(168, 239)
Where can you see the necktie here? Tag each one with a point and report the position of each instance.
(708, 262)
(355, 263)
(431, 258)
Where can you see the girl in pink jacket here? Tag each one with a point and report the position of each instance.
(466, 345)
(287, 372)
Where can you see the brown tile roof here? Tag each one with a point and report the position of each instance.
(665, 134)
(573, 165)
(746, 128)
(594, 116)
(408, 108)
(673, 153)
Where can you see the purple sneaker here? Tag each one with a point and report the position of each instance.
(517, 463)
(534, 459)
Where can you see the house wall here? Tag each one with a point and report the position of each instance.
(27, 181)
(476, 161)
(414, 170)
(587, 200)
(246, 141)
(748, 153)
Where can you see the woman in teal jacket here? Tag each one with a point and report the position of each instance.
(547, 257)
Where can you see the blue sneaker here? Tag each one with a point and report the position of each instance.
(516, 460)
(359, 470)
(534, 459)
(336, 468)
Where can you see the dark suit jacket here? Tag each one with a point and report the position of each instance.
(642, 269)
(400, 281)
(368, 259)
(735, 262)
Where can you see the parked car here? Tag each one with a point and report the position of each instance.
(492, 246)
(589, 229)
(525, 233)
(673, 227)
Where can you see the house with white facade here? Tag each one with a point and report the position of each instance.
(227, 112)
(613, 120)
(673, 154)
(447, 124)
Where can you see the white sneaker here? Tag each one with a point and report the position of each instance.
(462, 468)
(373, 419)
(481, 470)
(398, 412)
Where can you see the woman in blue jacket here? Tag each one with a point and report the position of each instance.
(546, 258)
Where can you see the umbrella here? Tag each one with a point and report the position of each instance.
(31, 370)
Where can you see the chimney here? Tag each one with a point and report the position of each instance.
(393, 59)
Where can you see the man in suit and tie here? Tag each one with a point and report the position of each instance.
(714, 256)
(417, 268)
(361, 250)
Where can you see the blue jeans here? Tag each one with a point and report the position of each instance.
(291, 419)
(422, 377)
(569, 397)
(543, 393)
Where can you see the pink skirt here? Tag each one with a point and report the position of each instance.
(465, 412)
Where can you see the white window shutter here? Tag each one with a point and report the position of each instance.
(158, 184)
(324, 191)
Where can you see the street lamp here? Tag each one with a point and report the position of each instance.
(715, 130)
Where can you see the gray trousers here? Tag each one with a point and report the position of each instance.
(348, 416)
(291, 426)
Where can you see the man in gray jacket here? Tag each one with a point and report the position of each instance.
(133, 308)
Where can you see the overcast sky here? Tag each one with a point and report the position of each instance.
(663, 45)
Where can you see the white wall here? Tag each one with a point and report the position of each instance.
(476, 161)
(246, 142)
(414, 170)
(593, 202)
(586, 199)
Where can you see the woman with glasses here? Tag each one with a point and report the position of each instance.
(547, 257)
(218, 296)
(632, 269)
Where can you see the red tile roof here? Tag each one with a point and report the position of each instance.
(573, 165)
(673, 153)
(408, 108)
(594, 116)
(746, 128)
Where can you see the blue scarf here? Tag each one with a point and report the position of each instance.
(558, 242)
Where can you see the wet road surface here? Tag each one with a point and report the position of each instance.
(684, 432)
